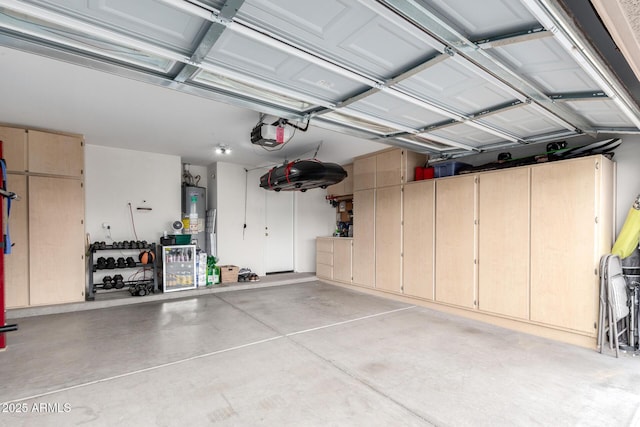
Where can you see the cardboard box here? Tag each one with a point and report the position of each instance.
(229, 273)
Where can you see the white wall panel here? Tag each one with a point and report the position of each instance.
(313, 217)
(627, 177)
(115, 177)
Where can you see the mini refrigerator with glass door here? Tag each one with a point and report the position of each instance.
(179, 267)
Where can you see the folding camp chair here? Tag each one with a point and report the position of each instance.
(614, 303)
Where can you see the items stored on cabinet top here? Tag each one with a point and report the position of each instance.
(554, 151)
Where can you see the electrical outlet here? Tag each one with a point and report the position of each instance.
(106, 226)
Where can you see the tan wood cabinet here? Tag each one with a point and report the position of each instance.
(397, 166)
(388, 229)
(324, 258)
(364, 241)
(14, 148)
(56, 240)
(342, 259)
(55, 154)
(364, 173)
(347, 183)
(344, 187)
(386, 168)
(503, 242)
(333, 258)
(516, 247)
(16, 273)
(418, 239)
(389, 168)
(566, 231)
(46, 265)
(455, 241)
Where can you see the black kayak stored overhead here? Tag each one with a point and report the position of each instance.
(302, 175)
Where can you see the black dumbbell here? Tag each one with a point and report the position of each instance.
(118, 281)
(131, 262)
(101, 263)
(111, 263)
(121, 262)
(107, 282)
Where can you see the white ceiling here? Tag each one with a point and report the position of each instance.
(450, 77)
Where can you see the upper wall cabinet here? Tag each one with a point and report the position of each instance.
(364, 173)
(55, 154)
(386, 168)
(14, 148)
(389, 170)
(345, 186)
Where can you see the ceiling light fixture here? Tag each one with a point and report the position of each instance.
(223, 149)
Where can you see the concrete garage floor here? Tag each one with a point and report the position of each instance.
(306, 354)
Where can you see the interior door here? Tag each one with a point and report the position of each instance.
(278, 231)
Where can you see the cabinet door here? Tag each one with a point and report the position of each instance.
(364, 255)
(389, 238)
(16, 273)
(14, 148)
(56, 240)
(418, 238)
(503, 242)
(343, 187)
(348, 181)
(389, 168)
(55, 154)
(324, 258)
(364, 173)
(336, 189)
(342, 260)
(564, 288)
(455, 241)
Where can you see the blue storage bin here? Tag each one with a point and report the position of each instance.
(448, 168)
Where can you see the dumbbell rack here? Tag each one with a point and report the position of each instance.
(92, 267)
